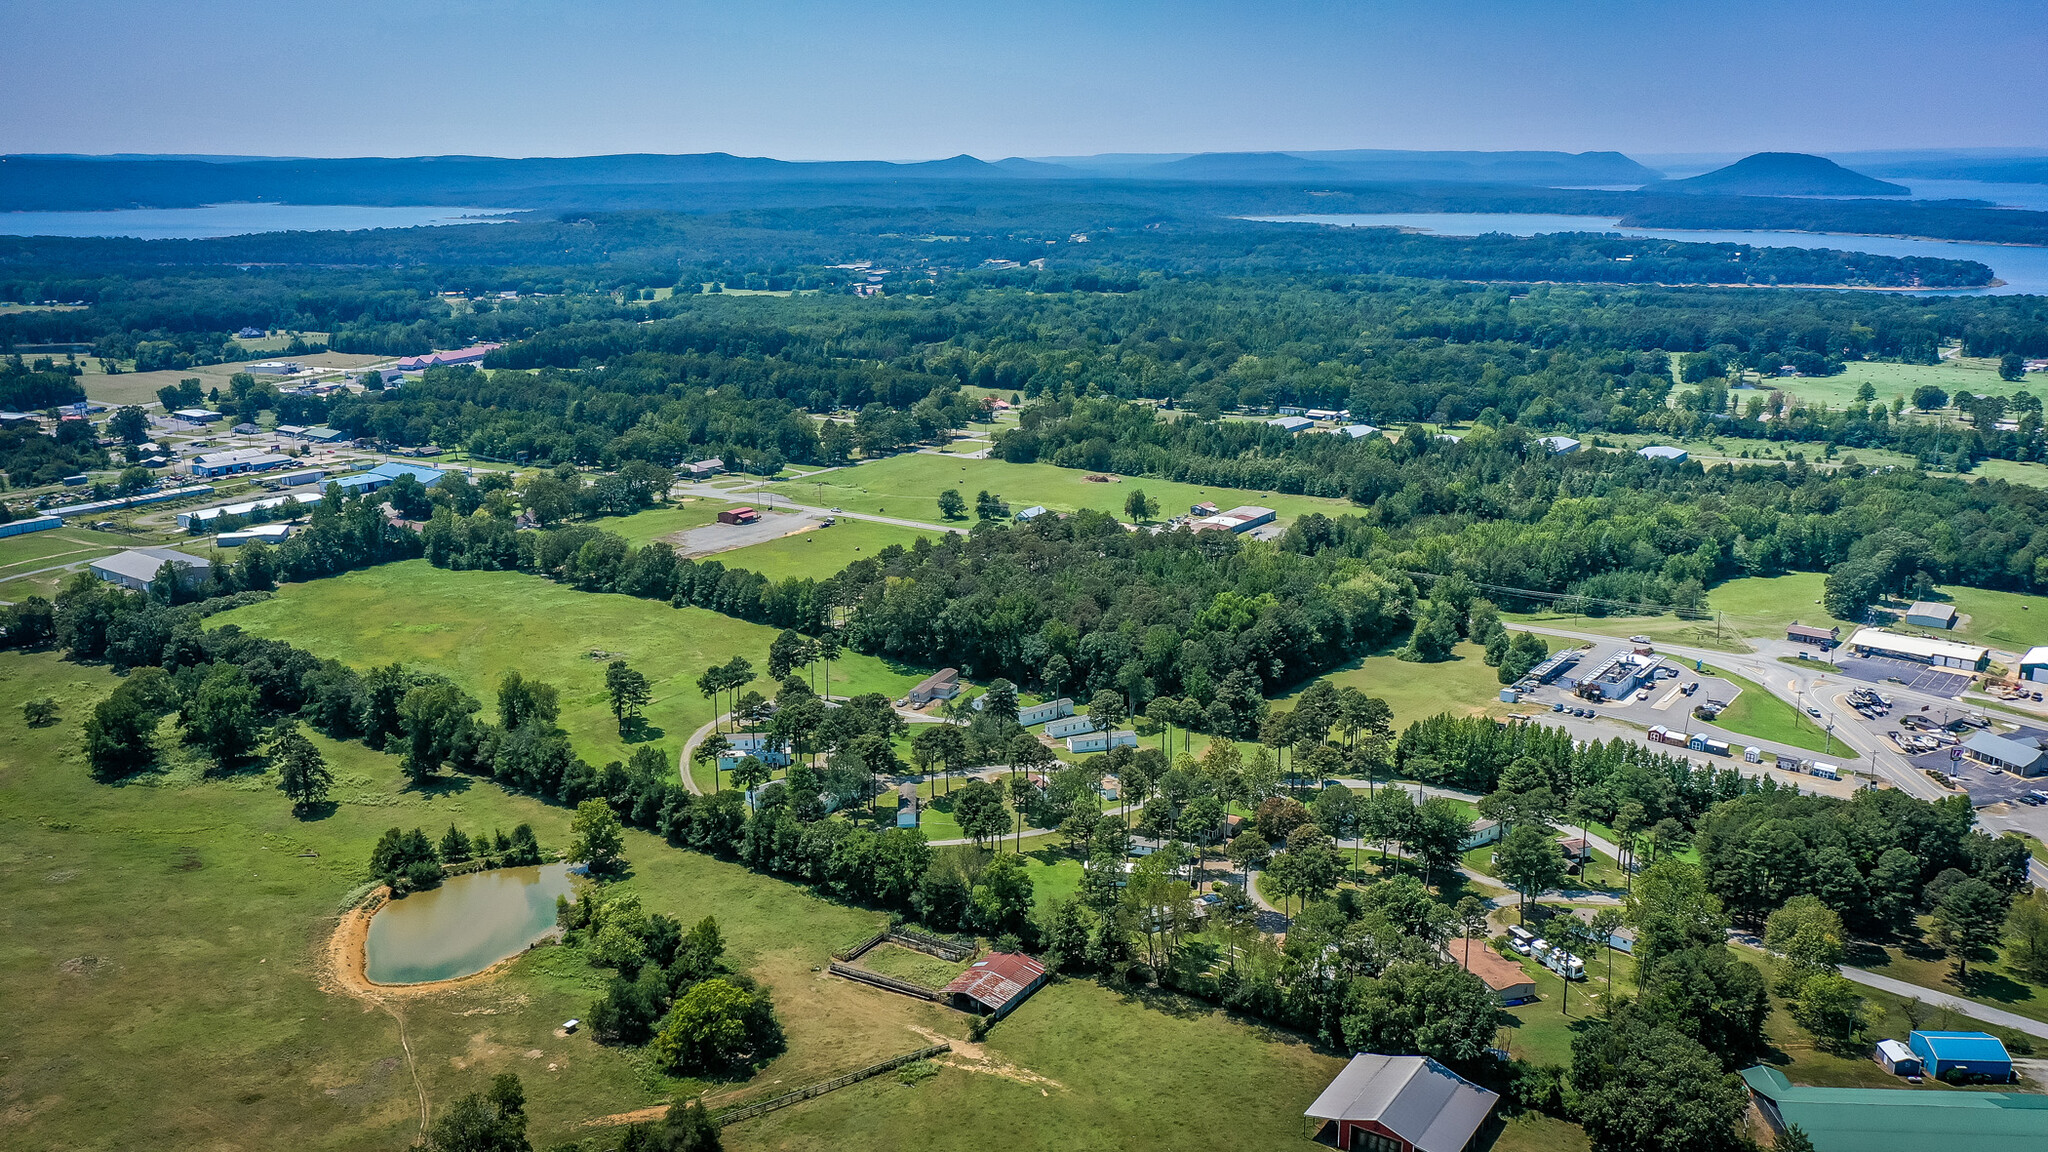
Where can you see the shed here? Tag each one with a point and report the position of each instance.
(1403, 1104)
(1031, 513)
(1897, 1059)
(1973, 1053)
(995, 984)
(1928, 614)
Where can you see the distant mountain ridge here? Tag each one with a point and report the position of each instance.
(89, 183)
(1783, 174)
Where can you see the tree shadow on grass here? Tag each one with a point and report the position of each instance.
(639, 731)
(439, 786)
(317, 811)
(1981, 984)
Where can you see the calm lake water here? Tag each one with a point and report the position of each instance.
(2024, 270)
(237, 220)
(464, 926)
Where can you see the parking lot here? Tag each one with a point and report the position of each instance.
(1985, 785)
(1919, 677)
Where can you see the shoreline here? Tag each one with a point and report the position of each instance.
(347, 958)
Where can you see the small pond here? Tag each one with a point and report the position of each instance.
(464, 926)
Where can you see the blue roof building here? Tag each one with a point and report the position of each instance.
(1975, 1053)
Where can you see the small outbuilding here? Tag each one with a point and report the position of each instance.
(1928, 614)
(1969, 1053)
(1897, 1059)
(995, 984)
(1403, 1104)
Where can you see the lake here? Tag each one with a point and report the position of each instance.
(238, 220)
(466, 925)
(2024, 269)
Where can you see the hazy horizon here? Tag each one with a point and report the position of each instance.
(810, 80)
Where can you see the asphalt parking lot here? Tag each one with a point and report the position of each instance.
(1985, 785)
(1919, 677)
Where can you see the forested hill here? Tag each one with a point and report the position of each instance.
(1784, 174)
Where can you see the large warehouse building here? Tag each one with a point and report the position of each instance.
(1919, 649)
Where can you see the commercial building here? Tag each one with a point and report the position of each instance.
(384, 474)
(2034, 665)
(196, 415)
(1619, 677)
(295, 477)
(30, 524)
(1899, 1119)
(995, 984)
(1664, 452)
(1359, 431)
(1970, 1053)
(2019, 753)
(1920, 649)
(260, 534)
(744, 514)
(1243, 518)
(322, 434)
(160, 496)
(1509, 982)
(203, 516)
(1292, 423)
(697, 468)
(474, 354)
(1403, 1104)
(1102, 741)
(1928, 614)
(941, 685)
(232, 463)
(137, 567)
(1812, 634)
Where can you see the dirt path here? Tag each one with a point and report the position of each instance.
(968, 1056)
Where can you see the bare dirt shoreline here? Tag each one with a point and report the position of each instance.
(347, 959)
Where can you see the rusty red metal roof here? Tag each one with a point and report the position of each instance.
(997, 978)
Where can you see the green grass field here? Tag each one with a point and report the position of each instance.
(908, 486)
(1755, 712)
(1463, 686)
(820, 552)
(476, 626)
(1763, 605)
(141, 387)
(181, 922)
(1889, 380)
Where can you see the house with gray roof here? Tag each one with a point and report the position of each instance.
(1403, 1104)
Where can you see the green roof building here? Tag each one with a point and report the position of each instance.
(1902, 1119)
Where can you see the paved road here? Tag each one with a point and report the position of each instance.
(1970, 1008)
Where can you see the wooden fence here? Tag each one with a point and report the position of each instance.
(943, 949)
(763, 1107)
(881, 981)
(855, 952)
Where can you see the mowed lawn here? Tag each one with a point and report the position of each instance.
(908, 486)
(820, 552)
(141, 387)
(1763, 605)
(1462, 686)
(476, 626)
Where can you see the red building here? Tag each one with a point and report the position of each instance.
(741, 515)
(995, 983)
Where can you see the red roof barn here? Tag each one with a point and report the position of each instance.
(995, 983)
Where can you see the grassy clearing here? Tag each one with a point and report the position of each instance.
(820, 552)
(1662, 629)
(1763, 605)
(1989, 981)
(644, 528)
(1119, 1070)
(908, 486)
(1462, 686)
(141, 387)
(475, 626)
(1542, 1030)
(222, 968)
(1893, 380)
(908, 964)
(1755, 712)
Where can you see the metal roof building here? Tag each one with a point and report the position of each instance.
(1928, 614)
(1924, 649)
(137, 567)
(1901, 1119)
(1410, 1103)
(2015, 753)
(1979, 1053)
(1560, 445)
(1292, 423)
(995, 984)
(2034, 665)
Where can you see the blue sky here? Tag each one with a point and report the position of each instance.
(824, 79)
